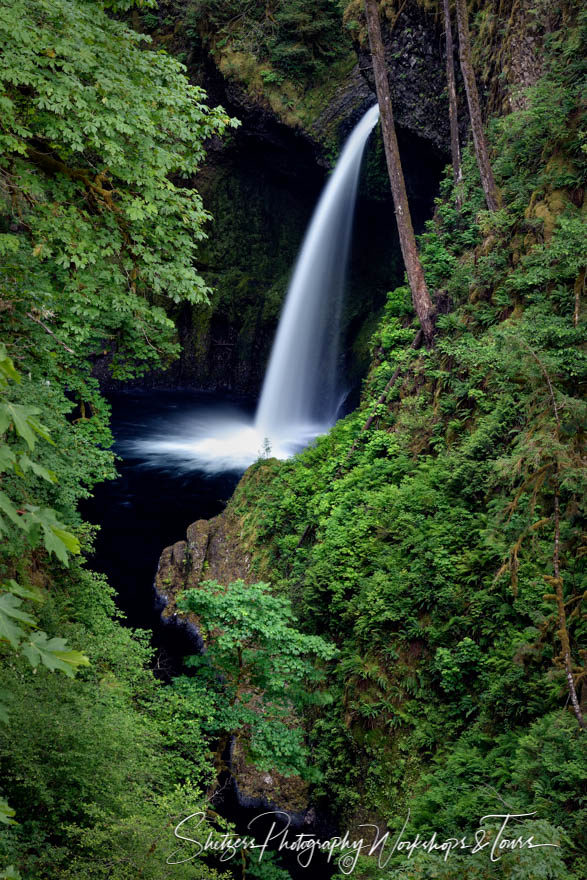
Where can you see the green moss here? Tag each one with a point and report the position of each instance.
(248, 256)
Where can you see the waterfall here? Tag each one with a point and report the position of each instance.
(300, 394)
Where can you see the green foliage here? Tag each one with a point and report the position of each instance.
(424, 545)
(100, 766)
(258, 666)
(15, 628)
(17, 424)
(99, 228)
(299, 38)
(88, 154)
(267, 869)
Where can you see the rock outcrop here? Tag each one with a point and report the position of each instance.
(213, 550)
(414, 52)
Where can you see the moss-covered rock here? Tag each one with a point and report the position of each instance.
(212, 550)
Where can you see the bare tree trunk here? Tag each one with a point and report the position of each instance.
(455, 148)
(420, 295)
(479, 139)
(563, 632)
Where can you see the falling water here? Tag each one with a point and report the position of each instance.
(300, 395)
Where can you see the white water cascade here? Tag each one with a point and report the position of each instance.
(300, 396)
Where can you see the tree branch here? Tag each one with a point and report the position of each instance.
(50, 332)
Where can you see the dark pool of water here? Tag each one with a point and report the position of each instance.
(153, 501)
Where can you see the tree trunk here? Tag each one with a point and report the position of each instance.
(455, 148)
(479, 139)
(420, 295)
(563, 632)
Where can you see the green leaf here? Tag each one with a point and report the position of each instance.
(54, 654)
(8, 508)
(7, 458)
(16, 589)
(5, 418)
(56, 538)
(25, 423)
(9, 612)
(27, 464)
(6, 814)
(7, 368)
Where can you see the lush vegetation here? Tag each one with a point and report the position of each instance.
(294, 39)
(427, 544)
(257, 669)
(288, 55)
(98, 230)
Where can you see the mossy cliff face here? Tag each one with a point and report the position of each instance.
(232, 57)
(509, 48)
(508, 54)
(414, 52)
(215, 550)
(259, 220)
(212, 550)
(262, 185)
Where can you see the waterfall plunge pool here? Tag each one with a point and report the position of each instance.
(213, 437)
(181, 454)
(157, 494)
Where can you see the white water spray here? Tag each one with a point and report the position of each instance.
(300, 396)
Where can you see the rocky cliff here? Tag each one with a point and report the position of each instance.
(262, 184)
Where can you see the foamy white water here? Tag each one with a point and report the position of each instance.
(300, 397)
(212, 440)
